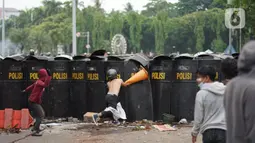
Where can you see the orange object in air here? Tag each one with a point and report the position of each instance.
(139, 76)
(1, 119)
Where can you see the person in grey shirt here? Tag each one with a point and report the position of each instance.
(209, 116)
(239, 99)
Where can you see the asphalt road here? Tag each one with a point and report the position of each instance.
(88, 133)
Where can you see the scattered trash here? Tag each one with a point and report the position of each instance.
(107, 122)
(168, 118)
(165, 127)
(74, 120)
(62, 120)
(160, 122)
(138, 128)
(12, 130)
(59, 120)
(53, 124)
(148, 127)
(183, 121)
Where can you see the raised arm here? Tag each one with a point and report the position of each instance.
(29, 88)
(45, 83)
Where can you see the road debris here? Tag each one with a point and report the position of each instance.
(165, 127)
(12, 129)
(183, 121)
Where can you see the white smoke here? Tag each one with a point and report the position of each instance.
(9, 48)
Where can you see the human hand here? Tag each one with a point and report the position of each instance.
(125, 84)
(194, 139)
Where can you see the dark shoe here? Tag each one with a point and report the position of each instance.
(95, 118)
(37, 134)
(117, 123)
(33, 130)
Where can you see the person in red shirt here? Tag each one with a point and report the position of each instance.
(35, 98)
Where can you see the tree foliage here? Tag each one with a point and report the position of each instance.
(163, 27)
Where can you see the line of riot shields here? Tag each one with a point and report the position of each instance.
(79, 85)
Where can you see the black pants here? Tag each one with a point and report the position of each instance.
(111, 101)
(38, 114)
(214, 136)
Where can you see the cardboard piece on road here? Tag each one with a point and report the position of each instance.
(164, 127)
(88, 116)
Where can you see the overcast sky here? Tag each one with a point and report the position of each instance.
(108, 5)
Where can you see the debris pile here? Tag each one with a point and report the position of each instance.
(11, 130)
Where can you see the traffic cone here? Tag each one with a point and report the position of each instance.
(139, 76)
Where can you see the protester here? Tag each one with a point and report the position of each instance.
(113, 109)
(35, 100)
(209, 116)
(229, 69)
(240, 98)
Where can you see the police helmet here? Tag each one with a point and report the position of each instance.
(111, 74)
(31, 52)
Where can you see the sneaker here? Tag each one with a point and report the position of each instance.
(37, 134)
(116, 123)
(33, 130)
(95, 118)
(123, 122)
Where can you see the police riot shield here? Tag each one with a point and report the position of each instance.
(161, 84)
(78, 87)
(96, 86)
(14, 82)
(1, 84)
(139, 95)
(59, 89)
(184, 87)
(210, 60)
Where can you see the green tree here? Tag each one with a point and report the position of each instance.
(156, 6)
(129, 7)
(37, 15)
(161, 31)
(189, 26)
(116, 23)
(51, 7)
(19, 37)
(135, 22)
(39, 40)
(99, 31)
(188, 6)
